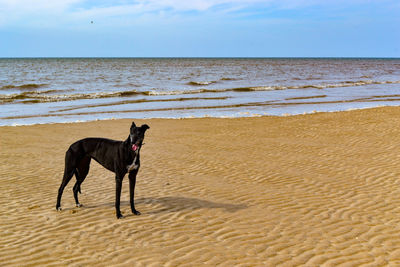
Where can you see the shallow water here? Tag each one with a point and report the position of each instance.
(79, 89)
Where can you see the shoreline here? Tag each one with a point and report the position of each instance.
(243, 115)
(311, 190)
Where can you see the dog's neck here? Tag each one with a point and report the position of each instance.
(135, 153)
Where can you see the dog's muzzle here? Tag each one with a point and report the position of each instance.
(135, 147)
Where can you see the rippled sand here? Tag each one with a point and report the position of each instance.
(313, 190)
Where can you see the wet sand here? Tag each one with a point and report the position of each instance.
(314, 190)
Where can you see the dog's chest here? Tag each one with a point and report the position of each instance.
(134, 165)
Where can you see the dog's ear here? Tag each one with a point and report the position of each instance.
(145, 127)
(133, 125)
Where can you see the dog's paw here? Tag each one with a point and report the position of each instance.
(59, 209)
(79, 205)
(120, 216)
(136, 212)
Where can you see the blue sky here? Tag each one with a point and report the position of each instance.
(199, 28)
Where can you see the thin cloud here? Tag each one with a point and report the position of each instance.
(27, 6)
(41, 12)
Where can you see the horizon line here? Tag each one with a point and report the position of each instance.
(183, 57)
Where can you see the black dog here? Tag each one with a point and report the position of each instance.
(119, 157)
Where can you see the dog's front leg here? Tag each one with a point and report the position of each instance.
(118, 187)
(132, 183)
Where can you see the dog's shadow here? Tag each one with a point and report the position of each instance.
(176, 204)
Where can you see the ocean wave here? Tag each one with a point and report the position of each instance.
(195, 83)
(202, 91)
(52, 96)
(341, 84)
(137, 101)
(28, 86)
(306, 97)
(45, 96)
(312, 86)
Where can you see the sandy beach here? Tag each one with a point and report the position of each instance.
(309, 190)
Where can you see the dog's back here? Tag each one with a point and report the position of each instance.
(97, 148)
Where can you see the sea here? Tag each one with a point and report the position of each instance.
(64, 90)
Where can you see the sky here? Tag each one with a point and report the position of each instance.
(199, 28)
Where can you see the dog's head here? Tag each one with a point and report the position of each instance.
(136, 136)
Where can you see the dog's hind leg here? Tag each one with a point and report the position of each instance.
(81, 172)
(68, 173)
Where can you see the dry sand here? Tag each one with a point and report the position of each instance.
(312, 190)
